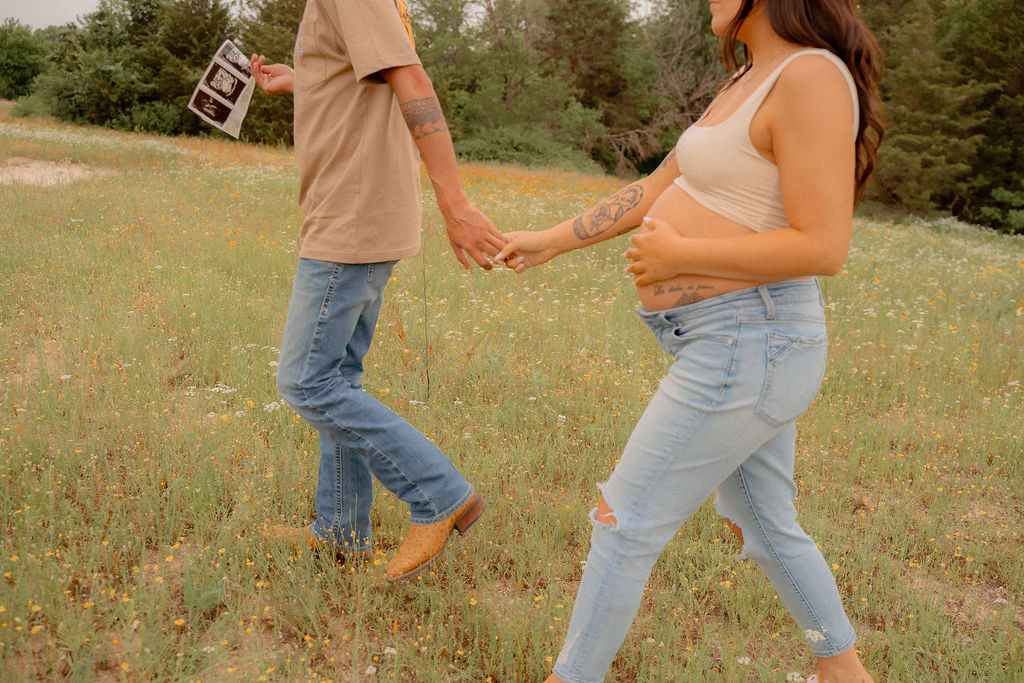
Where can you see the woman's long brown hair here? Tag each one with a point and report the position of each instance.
(834, 26)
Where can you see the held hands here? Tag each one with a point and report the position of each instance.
(526, 249)
(652, 252)
(273, 79)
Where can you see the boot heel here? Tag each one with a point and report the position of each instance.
(472, 514)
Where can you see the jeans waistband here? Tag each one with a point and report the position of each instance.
(769, 296)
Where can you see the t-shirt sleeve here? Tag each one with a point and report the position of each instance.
(377, 34)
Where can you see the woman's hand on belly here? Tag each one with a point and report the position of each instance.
(652, 254)
(656, 251)
(660, 281)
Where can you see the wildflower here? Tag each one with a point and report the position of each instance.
(813, 636)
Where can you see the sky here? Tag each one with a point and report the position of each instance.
(43, 13)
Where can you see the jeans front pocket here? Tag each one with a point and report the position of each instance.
(795, 368)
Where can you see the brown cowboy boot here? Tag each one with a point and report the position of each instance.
(426, 541)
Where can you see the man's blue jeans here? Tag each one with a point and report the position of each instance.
(331, 319)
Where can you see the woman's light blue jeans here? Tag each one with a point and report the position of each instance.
(747, 364)
(331, 320)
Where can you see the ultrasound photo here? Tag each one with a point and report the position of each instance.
(222, 96)
(224, 83)
(211, 108)
(233, 56)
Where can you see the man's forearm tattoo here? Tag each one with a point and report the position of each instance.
(607, 213)
(688, 294)
(424, 117)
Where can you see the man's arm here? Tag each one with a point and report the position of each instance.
(468, 229)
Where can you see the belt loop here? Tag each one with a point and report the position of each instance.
(769, 305)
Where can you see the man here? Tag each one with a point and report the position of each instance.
(360, 91)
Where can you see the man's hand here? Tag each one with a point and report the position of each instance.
(470, 231)
(651, 254)
(273, 79)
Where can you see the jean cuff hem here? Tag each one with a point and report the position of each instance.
(835, 651)
(445, 514)
(565, 677)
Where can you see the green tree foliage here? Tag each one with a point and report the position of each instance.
(501, 103)
(984, 38)
(587, 36)
(269, 27)
(133, 65)
(675, 66)
(23, 55)
(929, 143)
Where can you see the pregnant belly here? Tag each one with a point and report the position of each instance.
(690, 219)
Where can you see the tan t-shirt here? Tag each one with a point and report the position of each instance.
(359, 169)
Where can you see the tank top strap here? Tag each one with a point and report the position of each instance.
(756, 98)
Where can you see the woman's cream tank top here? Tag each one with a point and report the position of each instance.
(723, 171)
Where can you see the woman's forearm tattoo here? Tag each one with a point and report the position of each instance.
(424, 117)
(607, 213)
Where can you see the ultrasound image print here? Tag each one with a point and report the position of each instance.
(210, 107)
(233, 56)
(222, 82)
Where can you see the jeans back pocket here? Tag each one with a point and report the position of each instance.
(795, 368)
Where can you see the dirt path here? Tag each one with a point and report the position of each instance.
(25, 171)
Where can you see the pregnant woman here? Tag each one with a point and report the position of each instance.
(755, 200)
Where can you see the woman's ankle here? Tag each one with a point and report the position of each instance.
(845, 667)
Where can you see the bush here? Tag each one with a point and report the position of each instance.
(167, 118)
(31, 105)
(1007, 214)
(524, 145)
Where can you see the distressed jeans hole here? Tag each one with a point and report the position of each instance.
(735, 529)
(605, 514)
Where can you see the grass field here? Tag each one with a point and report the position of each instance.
(143, 445)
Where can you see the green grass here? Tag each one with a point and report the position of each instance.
(142, 442)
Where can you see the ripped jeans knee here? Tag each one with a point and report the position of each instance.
(603, 514)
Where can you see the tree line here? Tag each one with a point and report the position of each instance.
(584, 84)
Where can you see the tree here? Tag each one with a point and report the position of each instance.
(133, 65)
(500, 101)
(270, 27)
(983, 38)
(931, 141)
(586, 35)
(22, 57)
(678, 52)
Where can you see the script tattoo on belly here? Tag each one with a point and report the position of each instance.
(688, 294)
(424, 117)
(604, 215)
